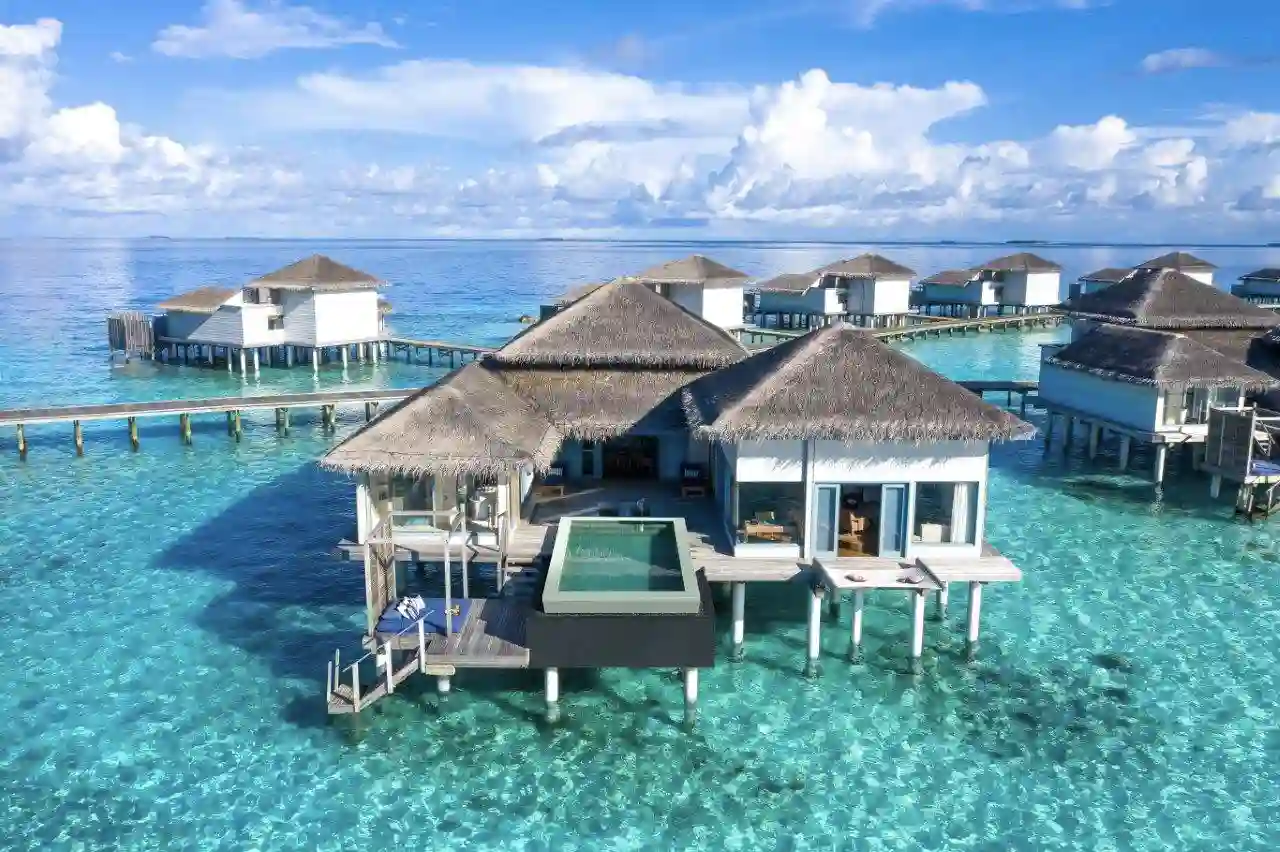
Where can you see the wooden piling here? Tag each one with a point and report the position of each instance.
(22, 441)
(184, 427)
(78, 432)
(133, 432)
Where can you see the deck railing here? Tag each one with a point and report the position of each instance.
(382, 655)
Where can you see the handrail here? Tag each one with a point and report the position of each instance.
(334, 668)
(501, 521)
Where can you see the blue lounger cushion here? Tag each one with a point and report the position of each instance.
(393, 622)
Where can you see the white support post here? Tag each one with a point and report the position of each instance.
(941, 599)
(1215, 485)
(422, 646)
(315, 360)
(255, 361)
(1157, 475)
(739, 593)
(553, 686)
(974, 615)
(815, 626)
(343, 350)
(388, 661)
(288, 356)
(242, 362)
(211, 357)
(1095, 432)
(917, 629)
(230, 364)
(855, 635)
(1125, 444)
(690, 688)
(359, 353)
(373, 351)
(448, 586)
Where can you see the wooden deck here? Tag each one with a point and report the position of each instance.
(436, 351)
(210, 405)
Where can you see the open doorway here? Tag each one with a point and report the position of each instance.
(630, 457)
(860, 519)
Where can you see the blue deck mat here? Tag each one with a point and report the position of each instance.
(1265, 468)
(393, 622)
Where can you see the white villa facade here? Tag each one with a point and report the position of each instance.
(1023, 283)
(300, 310)
(1261, 287)
(1181, 261)
(868, 290)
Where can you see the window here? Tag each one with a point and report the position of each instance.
(275, 323)
(770, 512)
(946, 513)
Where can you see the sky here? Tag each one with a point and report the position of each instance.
(1117, 120)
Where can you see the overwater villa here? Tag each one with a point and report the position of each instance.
(868, 290)
(1022, 283)
(699, 284)
(1261, 287)
(308, 310)
(1099, 280)
(1151, 356)
(617, 459)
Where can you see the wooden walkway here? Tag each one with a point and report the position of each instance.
(184, 409)
(924, 326)
(437, 352)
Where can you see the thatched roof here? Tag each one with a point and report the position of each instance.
(866, 266)
(471, 421)
(1023, 261)
(950, 278)
(1166, 298)
(622, 324)
(840, 383)
(789, 282)
(694, 269)
(577, 291)
(1167, 360)
(1179, 260)
(1258, 349)
(203, 300)
(596, 404)
(1109, 275)
(317, 273)
(1269, 274)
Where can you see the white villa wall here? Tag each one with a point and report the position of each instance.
(891, 296)
(1038, 289)
(687, 296)
(973, 293)
(223, 327)
(811, 301)
(299, 317)
(834, 462)
(256, 320)
(722, 306)
(347, 317)
(1205, 277)
(1137, 406)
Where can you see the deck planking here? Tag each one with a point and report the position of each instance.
(209, 405)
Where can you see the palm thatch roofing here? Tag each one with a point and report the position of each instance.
(1164, 359)
(840, 383)
(789, 282)
(598, 404)
(202, 300)
(626, 325)
(317, 273)
(1023, 261)
(1179, 260)
(1259, 350)
(950, 278)
(1167, 298)
(1271, 273)
(866, 266)
(1109, 275)
(577, 291)
(470, 421)
(694, 269)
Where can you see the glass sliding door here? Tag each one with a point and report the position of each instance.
(893, 520)
(826, 508)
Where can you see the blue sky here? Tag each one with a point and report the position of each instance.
(1141, 119)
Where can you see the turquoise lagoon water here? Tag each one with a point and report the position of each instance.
(165, 617)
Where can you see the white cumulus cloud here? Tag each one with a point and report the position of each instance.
(232, 29)
(1182, 59)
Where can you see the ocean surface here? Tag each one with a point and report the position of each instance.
(166, 615)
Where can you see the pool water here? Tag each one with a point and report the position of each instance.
(165, 618)
(622, 556)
